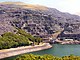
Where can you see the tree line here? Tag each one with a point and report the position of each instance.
(20, 38)
(46, 57)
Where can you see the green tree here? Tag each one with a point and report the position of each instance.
(38, 40)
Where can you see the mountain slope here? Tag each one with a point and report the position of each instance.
(37, 20)
(24, 5)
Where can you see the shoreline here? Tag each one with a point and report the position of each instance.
(21, 50)
(68, 42)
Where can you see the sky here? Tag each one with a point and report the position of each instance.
(70, 6)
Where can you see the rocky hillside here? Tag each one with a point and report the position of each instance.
(37, 20)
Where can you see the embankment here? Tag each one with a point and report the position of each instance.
(25, 49)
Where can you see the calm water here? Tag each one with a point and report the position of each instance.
(58, 50)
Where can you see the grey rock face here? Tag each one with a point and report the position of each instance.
(36, 22)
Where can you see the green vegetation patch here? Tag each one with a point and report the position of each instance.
(20, 38)
(46, 57)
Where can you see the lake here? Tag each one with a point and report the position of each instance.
(58, 50)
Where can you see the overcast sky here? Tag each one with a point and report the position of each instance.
(71, 6)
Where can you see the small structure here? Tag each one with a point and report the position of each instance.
(68, 39)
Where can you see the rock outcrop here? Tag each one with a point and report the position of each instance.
(37, 21)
